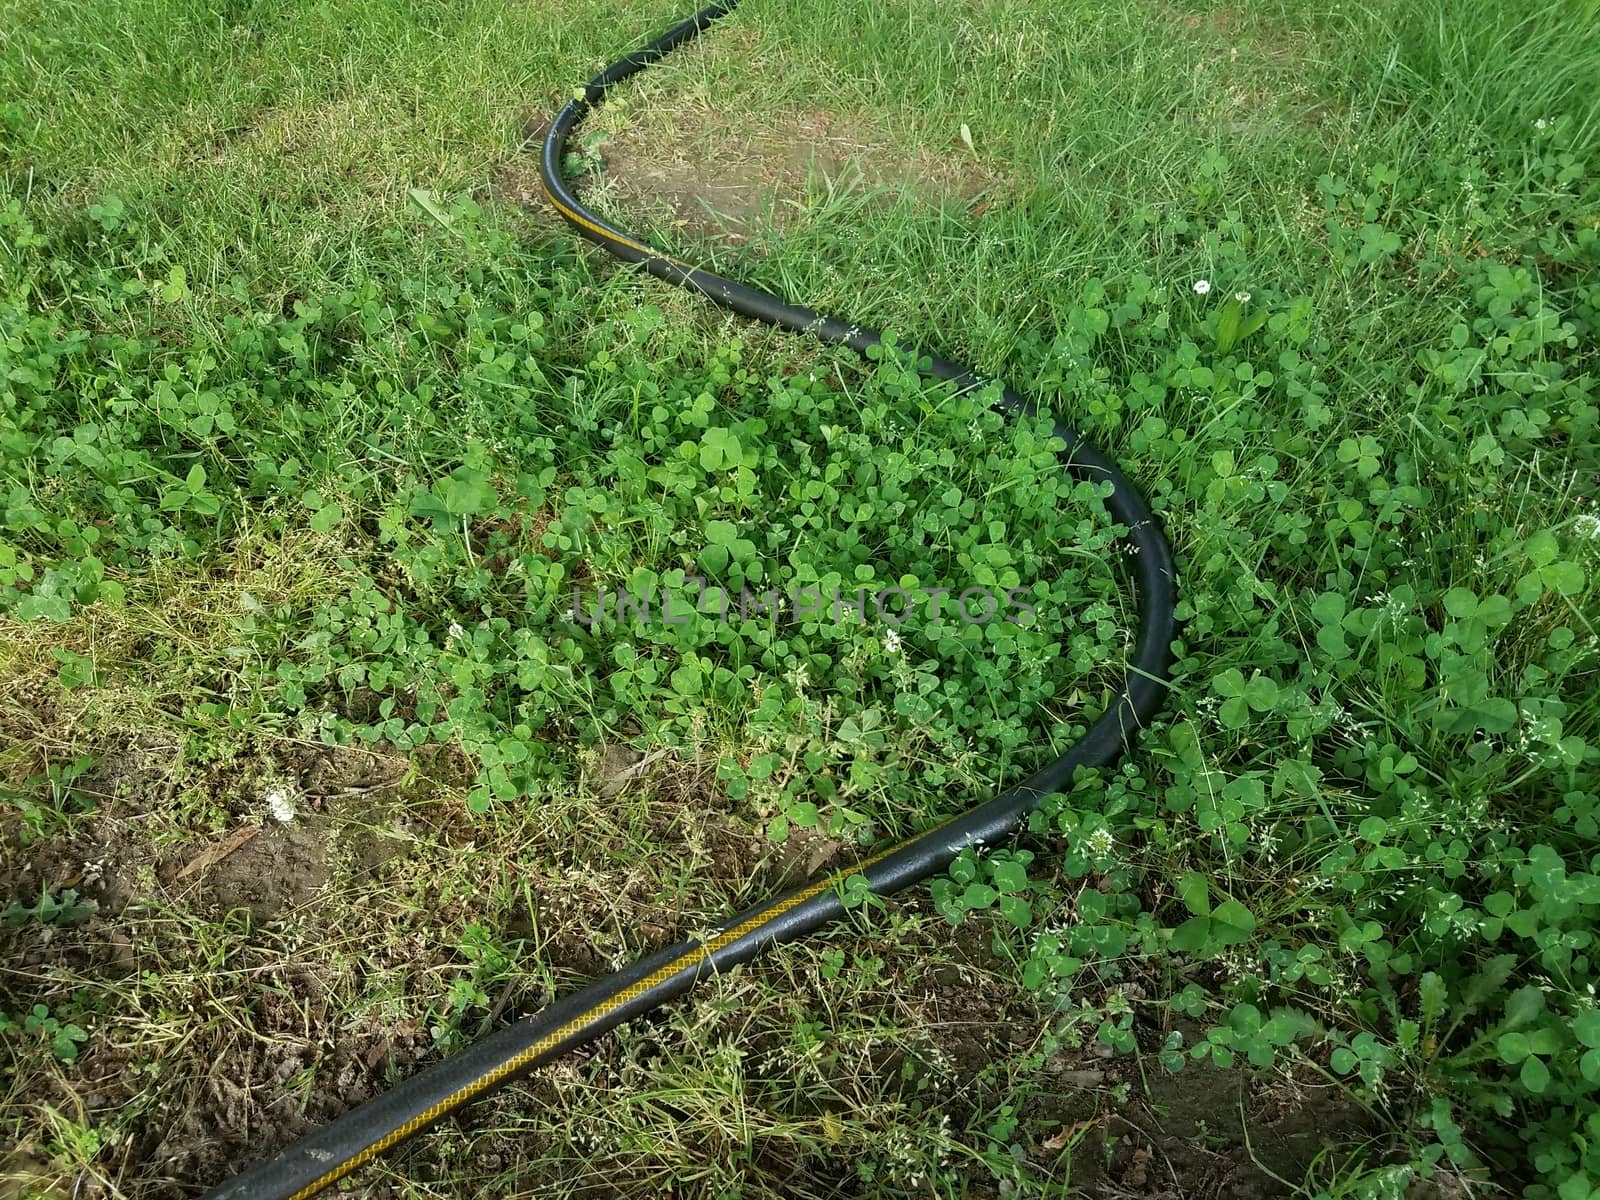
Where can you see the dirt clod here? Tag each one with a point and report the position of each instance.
(278, 870)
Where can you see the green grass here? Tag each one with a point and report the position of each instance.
(308, 431)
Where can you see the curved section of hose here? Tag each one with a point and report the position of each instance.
(334, 1151)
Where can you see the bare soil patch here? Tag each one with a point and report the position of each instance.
(338, 934)
(1229, 1135)
(707, 173)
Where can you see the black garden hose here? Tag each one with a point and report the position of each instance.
(334, 1151)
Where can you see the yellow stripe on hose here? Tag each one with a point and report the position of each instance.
(607, 1006)
(577, 218)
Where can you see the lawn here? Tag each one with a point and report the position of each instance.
(320, 437)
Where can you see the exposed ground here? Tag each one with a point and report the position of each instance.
(694, 174)
(326, 933)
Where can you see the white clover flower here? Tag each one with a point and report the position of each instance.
(280, 803)
(456, 633)
(1587, 526)
(1242, 297)
(1202, 286)
(1101, 842)
(891, 641)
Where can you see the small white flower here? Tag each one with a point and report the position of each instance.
(1101, 841)
(891, 641)
(1587, 526)
(280, 803)
(457, 634)
(1202, 286)
(1541, 124)
(1242, 297)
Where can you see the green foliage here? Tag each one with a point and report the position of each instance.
(472, 523)
(63, 1038)
(50, 909)
(998, 882)
(49, 803)
(1363, 837)
(1373, 801)
(473, 991)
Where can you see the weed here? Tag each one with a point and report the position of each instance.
(63, 1040)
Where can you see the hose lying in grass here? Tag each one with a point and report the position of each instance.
(337, 1149)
